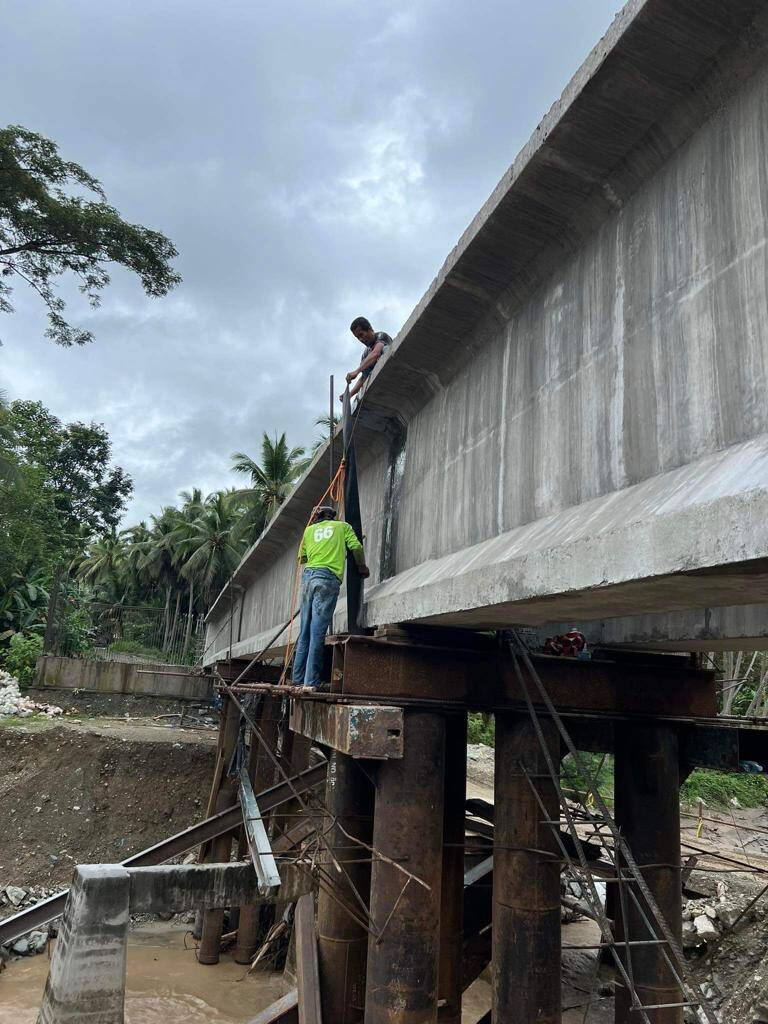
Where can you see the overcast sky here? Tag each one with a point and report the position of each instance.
(311, 161)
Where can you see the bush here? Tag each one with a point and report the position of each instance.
(20, 656)
(717, 789)
(481, 729)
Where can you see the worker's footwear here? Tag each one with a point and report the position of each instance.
(317, 688)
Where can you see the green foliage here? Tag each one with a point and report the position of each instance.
(575, 776)
(481, 728)
(717, 789)
(49, 228)
(271, 482)
(20, 656)
(72, 462)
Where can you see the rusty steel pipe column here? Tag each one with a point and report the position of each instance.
(526, 877)
(401, 983)
(452, 887)
(213, 920)
(647, 780)
(342, 943)
(262, 771)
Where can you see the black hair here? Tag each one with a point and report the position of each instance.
(360, 323)
(325, 512)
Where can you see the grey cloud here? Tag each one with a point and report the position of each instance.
(311, 162)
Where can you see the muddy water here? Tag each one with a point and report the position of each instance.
(165, 985)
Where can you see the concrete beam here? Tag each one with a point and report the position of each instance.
(363, 730)
(173, 888)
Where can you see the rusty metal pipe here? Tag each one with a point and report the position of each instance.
(647, 810)
(402, 978)
(450, 979)
(342, 943)
(213, 920)
(262, 771)
(526, 877)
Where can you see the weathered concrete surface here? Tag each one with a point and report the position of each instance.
(156, 680)
(87, 976)
(86, 982)
(173, 888)
(572, 422)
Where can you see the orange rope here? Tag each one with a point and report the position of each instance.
(335, 491)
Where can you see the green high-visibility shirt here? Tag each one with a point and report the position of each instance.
(325, 544)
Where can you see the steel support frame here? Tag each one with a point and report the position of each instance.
(344, 897)
(404, 947)
(648, 812)
(526, 877)
(486, 680)
(450, 979)
(367, 731)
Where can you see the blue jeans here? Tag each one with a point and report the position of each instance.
(319, 592)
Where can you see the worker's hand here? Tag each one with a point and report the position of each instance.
(364, 571)
(351, 375)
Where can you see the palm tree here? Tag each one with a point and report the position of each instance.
(206, 546)
(273, 479)
(104, 560)
(159, 559)
(326, 423)
(192, 509)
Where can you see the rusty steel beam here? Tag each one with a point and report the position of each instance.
(487, 679)
(403, 951)
(452, 883)
(648, 814)
(526, 876)
(341, 938)
(369, 731)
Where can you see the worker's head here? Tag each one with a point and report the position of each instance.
(323, 512)
(362, 330)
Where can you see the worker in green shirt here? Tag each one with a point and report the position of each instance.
(323, 552)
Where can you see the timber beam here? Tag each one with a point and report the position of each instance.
(486, 679)
(369, 731)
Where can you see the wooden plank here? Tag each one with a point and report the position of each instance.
(307, 971)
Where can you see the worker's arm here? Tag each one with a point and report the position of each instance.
(302, 552)
(356, 550)
(370, 360)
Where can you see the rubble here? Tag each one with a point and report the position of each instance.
(13, 702)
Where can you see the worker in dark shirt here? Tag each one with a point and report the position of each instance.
(375, 344)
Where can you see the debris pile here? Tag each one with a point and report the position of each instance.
(14, 897)
(13, 702)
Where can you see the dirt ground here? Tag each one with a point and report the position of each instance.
(94, 791)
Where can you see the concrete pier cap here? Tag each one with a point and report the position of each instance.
(86, 981)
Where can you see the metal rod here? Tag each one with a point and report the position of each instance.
(331, 432)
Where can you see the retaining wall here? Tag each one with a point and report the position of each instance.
(155, 680)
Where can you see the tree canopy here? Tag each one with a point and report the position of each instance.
(49, 227)
(73, 460)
